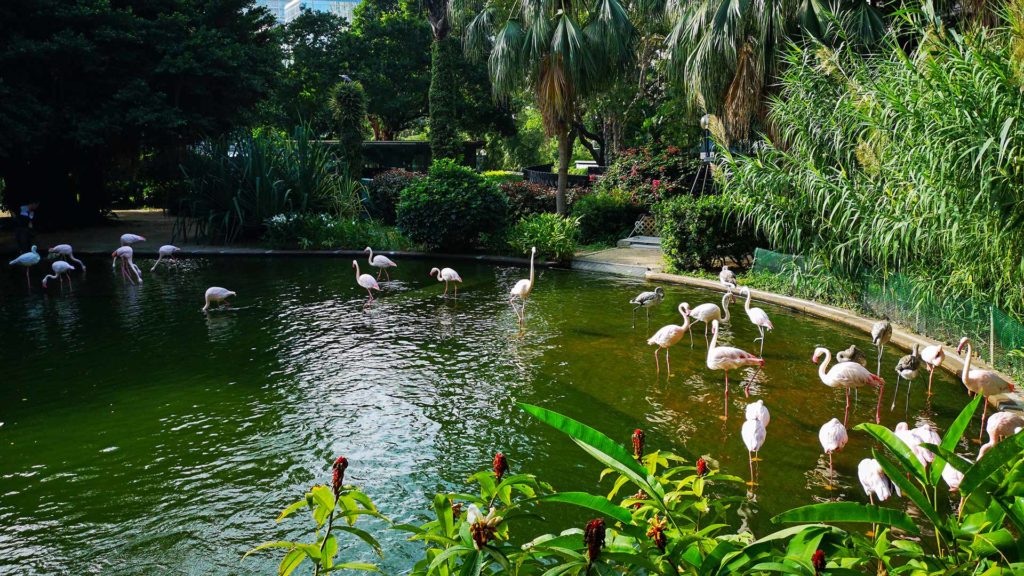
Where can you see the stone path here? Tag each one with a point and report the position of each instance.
(624, 261)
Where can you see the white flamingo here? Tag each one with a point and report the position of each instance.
(668, 336)
(953, 477)
(907, 369)
(522, 291)
(1001, 425)
(126, 256)
(447, 275)
(381, 263)
(913, 441)
(758, 411)
(26, 261)
(65, 251)
(932, 356)
(647, 300)
(874, 481)
(728, 358)
(727, 278)
(165, 250)
(219, 295)
(366, 281)
(833, 438)
(708, 311)
(984, 382)
(753, 434)
(881, 333)
(129, 239)
(758, 317)
(60, 269)
(848, 375)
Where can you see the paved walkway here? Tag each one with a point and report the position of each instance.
(625, 261)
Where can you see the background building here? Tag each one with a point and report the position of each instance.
(288, 10)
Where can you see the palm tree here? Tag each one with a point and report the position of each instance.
(560, 50)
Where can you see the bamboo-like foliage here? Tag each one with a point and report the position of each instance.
(908, 163)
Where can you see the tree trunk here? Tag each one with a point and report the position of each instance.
(564, 155)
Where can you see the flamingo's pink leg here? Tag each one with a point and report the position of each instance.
(931, 372)
(445, 288)
(28, 280)
(984, 411)
(846, 415)
(668, 364)
(878, 407)
(726, 394)
(657, 365)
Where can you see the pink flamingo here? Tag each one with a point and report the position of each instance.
(728, 358)
(848, 375)
(167, 250)
(366, 281)
(65, 251)
(667, 336)
(27, 260)
(381, 263)
(447, 275)
(874, 481)
(129, 239)
(126, 254)
(709, 311)
(932, 356)
(753, 433)
(984, 382)
(1001, 425)
(60, 269)
(217, 294)
(522, 291)
(758, 317)
(833, 437)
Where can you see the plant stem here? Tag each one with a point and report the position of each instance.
(330, 526)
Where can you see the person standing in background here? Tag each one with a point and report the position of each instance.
(24, 233)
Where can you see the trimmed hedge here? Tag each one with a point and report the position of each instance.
(698, 232)
(606, 216)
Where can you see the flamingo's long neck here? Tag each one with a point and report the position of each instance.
(746, 305)
(357, 270)
(532, 254)
(686, 317)
(370, 258)
(967, 364)
(725, 306)
(823, 367)
(714, 342)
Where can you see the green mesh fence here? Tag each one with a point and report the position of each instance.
(996, 336)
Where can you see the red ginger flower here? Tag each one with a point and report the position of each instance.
(702, 467)
(338, 474)
(641, 495)
(818, 560)
(657, 532)
(639, 439)
(593, 537)
(500, 466)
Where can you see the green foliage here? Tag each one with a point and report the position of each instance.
(348, 105)
(650, 174)
(554, 236)
(502, 176)
(444, 136)
(233, 185)
(326, 231)
(526, 199)
(451, 208)
(701, 232)
(606, 216)
(384, 191)
(528, 146)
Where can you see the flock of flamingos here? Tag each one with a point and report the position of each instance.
(850, 371)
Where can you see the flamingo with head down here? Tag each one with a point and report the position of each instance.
(65, 251)
(60, 269)
(728, 358)
(848, 375)
(219, 295)
(126, 256)
(167, 250)
(833, 437)
(129, 239)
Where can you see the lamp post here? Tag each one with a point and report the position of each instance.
(705, 152)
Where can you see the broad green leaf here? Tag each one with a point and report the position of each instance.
(849, 512)
(291, 509)
(365, 537)
(473, 564)
(901, 451)
(952, 437)
(909, 490)
(274, 544)
(449, 553)
(1004, 453)
(443, 509)
(353, 566)
(290, 562)
(596, 503)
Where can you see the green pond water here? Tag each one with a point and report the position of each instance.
(140, 436)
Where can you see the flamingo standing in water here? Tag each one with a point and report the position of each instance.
(1001, 425)
(381, 263)
(165, 250)
(907, 369)
(728, 358)
(753, 434)
(932, 356)
(126, 255)
(913, 440)
(647, 300)
(984, 382)
(219, 295)
(758, 317)
(668, 336)
(874, 481)
(522, 291)
(881, 333)
(129, 239)
(27, 260)
(447, 275)
(366, 281)
(65, 251)
(60, 269)
(758, 411)
(727, 278)
(708, 311)
(833, 437)
(848, 375)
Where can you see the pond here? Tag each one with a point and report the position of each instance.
(140, 436)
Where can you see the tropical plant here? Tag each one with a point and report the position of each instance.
(651, 173)
(348, 105)
(554, 236)
(451, 208)
(327, 231)
(384, 191)
(700, 232)
(606, 216)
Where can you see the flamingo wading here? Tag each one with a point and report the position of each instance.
(932, 356)
(668, 336)
(166, 250)
(984, 382)
(447, 275)
(907, 369)
(67, 252)
(218, 295)
(728, 358)
(26, 261)
(647, 300)
(60, 269)
(758, 317)
(522, 291)
(708, 311)
(848, 375)
(128, 268)
(381, 263)
(366, 281)
(833, 437)
(753, 434)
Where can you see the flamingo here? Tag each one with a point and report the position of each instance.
(217, 294)
(165, 250)
(1001, 425)
(848, 375)
(129, 239)
(907, 369)
(65, 251)
(874, 481)
(27, 260)
(953, 477)
(833, 437)
(881, 333)
(758, 317)
(984, 382)
(758, 411)
(932, 356)
(728, 358)
(366, 281)
(727, 278)
(381, 263)
(913, 441)
(852, 354)
(647, 300)
(126, 254)
(447, 275)
(522, 290)
(753, 433)
(707, 312)
(60, 268)
(668, 336)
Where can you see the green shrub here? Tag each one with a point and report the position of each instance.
(526, 199)
(451, 208)
(348, 104)
(322, 231)
(502, 176)
(606, 216)
(554, 236)
(384, 191)
(651, 174)
(699, 232)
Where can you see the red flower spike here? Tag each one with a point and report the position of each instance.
(593, 537)
(638, 443)
(818, 560)
(338, 474)
(500, 466)
(702, 467)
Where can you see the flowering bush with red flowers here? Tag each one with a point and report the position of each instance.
(528, 198)
(651, 173)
